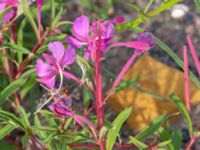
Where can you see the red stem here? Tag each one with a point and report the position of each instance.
(188, 147)
(93, 146)
(98, 81)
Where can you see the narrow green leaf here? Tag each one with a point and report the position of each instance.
(18, 48)
(152, 127)
(24, 117)
(10, 89)
(28, 86)
(57, 18)
(29, 16)
(138, 143)
(58, 37)
(116, 126)
(45, 128)
(164, 143)
(87, 97)
(53, 9)
(183, 110)
(37, 123)
(148, 6)
(197, 3)
(124, 84)
(164, 6)
(30, 72)
(12, 119)
(176, 140)
(173, 55)
(6, 130)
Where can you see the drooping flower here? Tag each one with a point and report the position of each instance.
(143, 43)
(61, 109)
(55, 63)
(90, 35)
(10, 14)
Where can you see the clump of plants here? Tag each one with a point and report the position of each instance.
(48, 69)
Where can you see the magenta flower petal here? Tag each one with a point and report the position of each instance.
(49, 80)
(43, 69)
(118, 20)
(87, 55)
(147, 37)
(81, 119)
(13, 3)
(71, 76)
(60, 110)
(50, 60)
(80, 27)
(57, 49)
(74, 42)
(108, 29)
(8, 16)
(132, 44)
(40, 2)
(69, 56)
(2, 6)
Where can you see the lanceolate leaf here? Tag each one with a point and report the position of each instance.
(57, 18)
(29, 16)
(138, 143)
(12, 119)
(6, 130)
(183, 110)
(116, 126)
(10, 89)
(197, 3)
(24, 117)
(152, 127)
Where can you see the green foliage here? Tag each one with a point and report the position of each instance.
(138, 143)
(116, 126)
(152, 127)
(10, 89)
(197, 3)
(6, 130)
(124, 84)
(183, 110)
(144, 16)
(29, 17)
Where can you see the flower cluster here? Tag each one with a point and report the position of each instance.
(94, 37)
(90, 35)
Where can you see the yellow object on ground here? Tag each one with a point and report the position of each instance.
(157, 78)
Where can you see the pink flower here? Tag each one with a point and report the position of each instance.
(56, 62)
(60, 109)
(86, 34)
(12, 12)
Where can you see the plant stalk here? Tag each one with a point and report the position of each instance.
(98, 81)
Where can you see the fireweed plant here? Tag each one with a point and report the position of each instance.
(96, 40)
(56, 123)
